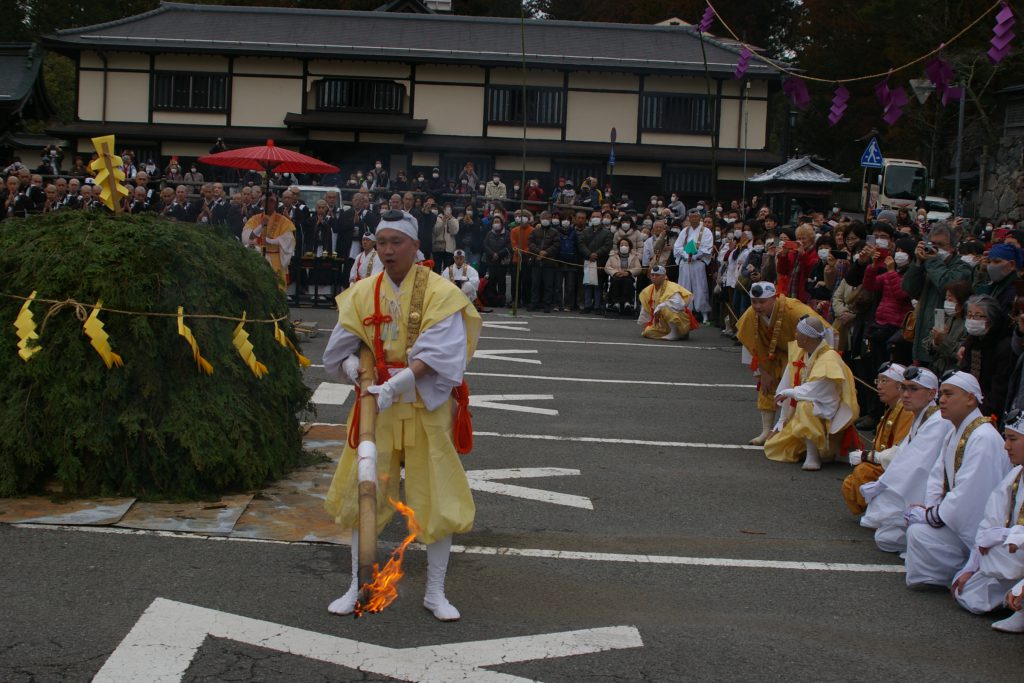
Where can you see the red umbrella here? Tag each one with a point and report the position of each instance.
(268, 158)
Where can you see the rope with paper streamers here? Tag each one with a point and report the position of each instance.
(869, 77)
(28, 332)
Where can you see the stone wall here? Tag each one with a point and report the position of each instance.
(1003, 196)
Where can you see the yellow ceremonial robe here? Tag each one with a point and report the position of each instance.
(767, 343)
(652, 296)
(278, 225)
(436, 487)
(892, 428)
(824, 364)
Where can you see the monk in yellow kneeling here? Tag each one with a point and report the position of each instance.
(663, 308)
(817, 397)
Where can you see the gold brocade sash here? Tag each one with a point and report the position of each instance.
(1013, 503)
(958, 458)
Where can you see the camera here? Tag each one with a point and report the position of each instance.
(929, 248)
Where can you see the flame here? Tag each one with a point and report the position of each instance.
(384, 588)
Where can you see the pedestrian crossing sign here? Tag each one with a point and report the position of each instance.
(872, 157)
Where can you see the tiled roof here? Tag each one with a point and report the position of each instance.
(799, 170)
(439, 38)
(19, 68)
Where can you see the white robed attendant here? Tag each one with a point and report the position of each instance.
(693, 251)
(941, 531)
(367, 263)
(463, 275)
(905, 476)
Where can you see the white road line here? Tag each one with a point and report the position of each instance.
(162, 643)
(597, 380)
(331, 394)
(543, 553)
(500, 402)
(504, 354)
(484, 480)
(630, 442)
(648, 345)
(510, 325)
(576, 556)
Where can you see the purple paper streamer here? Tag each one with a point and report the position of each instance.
(796, 90)
(1002, 35)
(940, 73)
(706, 20)
(742, 63)
(894, 108)
(840, 101)
(952, 94)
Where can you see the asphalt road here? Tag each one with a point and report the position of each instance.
(672, 554)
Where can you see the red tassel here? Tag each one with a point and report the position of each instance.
(851, 441)
(694, 325)
(462, 430)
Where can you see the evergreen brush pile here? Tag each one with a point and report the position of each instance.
(156, 427)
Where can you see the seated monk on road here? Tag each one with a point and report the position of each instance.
(817, 398)
(663, 311)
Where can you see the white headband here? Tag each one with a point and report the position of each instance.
(967, 382)
(894, 372)
(923, 376)
(1017, 425)
(804, 327)
(762, 290)
(404, 225)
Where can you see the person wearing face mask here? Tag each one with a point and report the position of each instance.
(677, 207)
(817, 287)
(522, 263)
(1001, 269)
(931, 269)
(595, 246)
(544, 247)
(622, 267)
(446, 227)
(436, 185)
(943, 344)
(987, 352)
(497, 257)
(495, 189)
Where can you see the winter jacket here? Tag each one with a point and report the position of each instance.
(895, 303)
(596, 240)
(519, 238)
(926, 282)
(990, 359)
(614, 263)
(635, 237)
(497, 250)
(545, 241)
(445, 230)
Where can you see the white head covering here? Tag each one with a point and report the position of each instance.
(400, 221)
(762, 290)
(459, 252)
(658, 270)
(967, 382)
(1016, 425)
(894, 372)
(923, 376)
(369, 236)
(811, 327)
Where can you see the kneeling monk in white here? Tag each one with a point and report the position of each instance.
(992, 569)
(942, 530)
(817, 398)
(423, 332)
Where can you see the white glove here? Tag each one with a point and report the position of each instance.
(855, 459)
(914, 515)
(350, 366)
(396, 386)
(660, 306)
(784, 394)
(872, 490)
(990, 538)
(272, 240)
(1015, 536)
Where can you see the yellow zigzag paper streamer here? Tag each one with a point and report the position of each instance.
(284, 341)
(185, 332)
(100, 340)
(26, 327)
(241, 341)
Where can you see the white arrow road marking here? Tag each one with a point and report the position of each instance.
(498, 402)
(483, 480)
(330, 394)
(161, 645)
(503, 354)
(511, 325)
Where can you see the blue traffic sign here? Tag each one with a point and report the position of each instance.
(611, 157)
(872, 157)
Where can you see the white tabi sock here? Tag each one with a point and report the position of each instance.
(1011, 624)
(437, 567)
(673, 333)
(346, 604)
(812, 462)
(767, 420)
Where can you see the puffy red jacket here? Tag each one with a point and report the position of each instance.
(895, 303)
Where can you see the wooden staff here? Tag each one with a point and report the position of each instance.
(367, 470)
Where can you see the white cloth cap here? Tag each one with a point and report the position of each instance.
(811, 327)
(1018, 424)
(762, 290)
(894, 372)
(967, 382)
(400, 221)
(925, 377)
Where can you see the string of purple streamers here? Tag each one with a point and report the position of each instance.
(840, 99)
(1002, 35)
(892, 100)
(742, 63)
(796, 90)
(706, 20)
(940, 73)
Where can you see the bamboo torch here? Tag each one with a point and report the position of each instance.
(367, 469)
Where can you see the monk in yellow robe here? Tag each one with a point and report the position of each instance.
(817, 396)
(895, 424)
(765, 330)
(663, 308)
(273, 234)
(423, 331)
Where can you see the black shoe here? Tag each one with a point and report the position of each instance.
(599, 310)
(584, 311)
